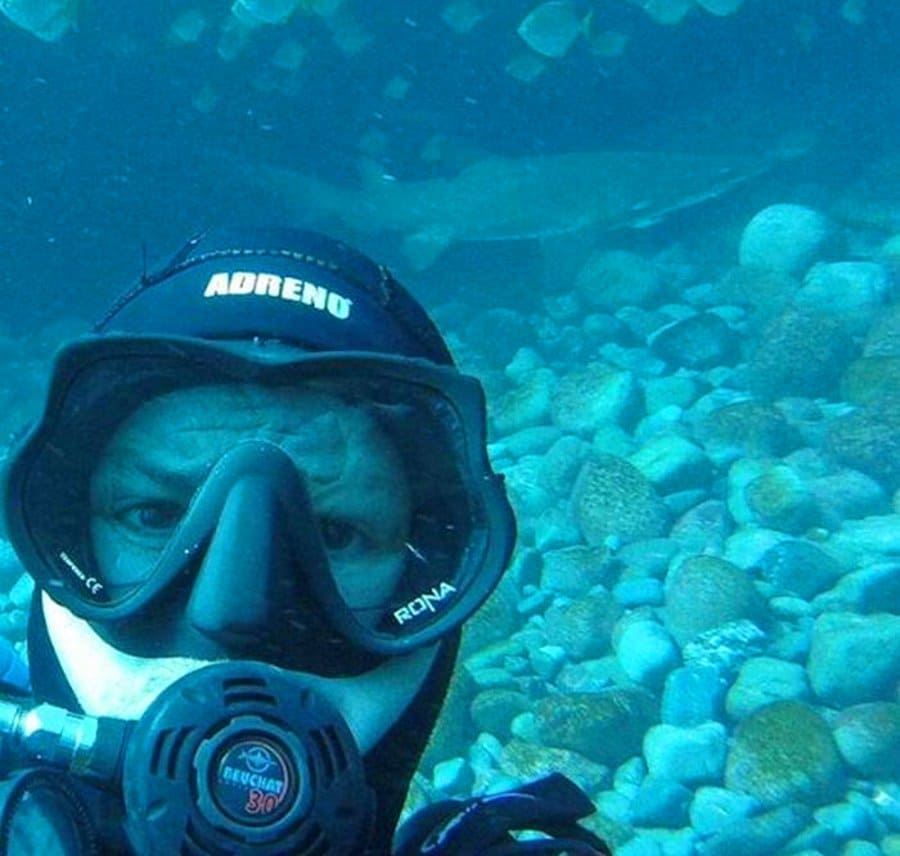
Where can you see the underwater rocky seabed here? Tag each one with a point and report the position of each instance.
(702, 621)
(701, 624)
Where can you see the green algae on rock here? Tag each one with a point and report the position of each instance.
(872, 380)
(753, 428)
(525, 405)
(495, 621)
(883, 337)
(607, 726)
(583, 627)
(799, 353)
(593, 395)
(706, 592)
(779, 498)
(868, 440)
(785, 753)
(611, 498)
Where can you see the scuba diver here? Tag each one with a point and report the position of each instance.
(257, 508)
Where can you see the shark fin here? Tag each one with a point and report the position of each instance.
(422, 249)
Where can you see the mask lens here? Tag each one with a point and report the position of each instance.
(111, 483)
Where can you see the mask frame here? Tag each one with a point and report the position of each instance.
(35, 489)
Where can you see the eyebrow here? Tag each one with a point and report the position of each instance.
(184, 477)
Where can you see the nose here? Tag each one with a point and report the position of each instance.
(252, 583)
(237, 586)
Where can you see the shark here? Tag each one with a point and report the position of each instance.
(494, 198)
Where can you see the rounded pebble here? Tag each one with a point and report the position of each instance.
(783, 238)
(691, 756)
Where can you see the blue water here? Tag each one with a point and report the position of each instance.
(116, 143)
(102, 150)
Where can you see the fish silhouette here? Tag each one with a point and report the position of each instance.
(509, 198)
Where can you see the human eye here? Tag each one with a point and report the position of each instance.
(344, 537)
(150, 517)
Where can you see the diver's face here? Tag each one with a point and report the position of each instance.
(161, 454)
(144, 482)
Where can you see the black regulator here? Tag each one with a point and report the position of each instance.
(235, 759)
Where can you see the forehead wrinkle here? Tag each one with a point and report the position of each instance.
(186, 455)
(175, 439)
(229, 405)
(186, 475)
(128, 464)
